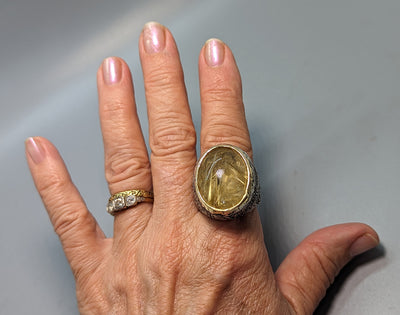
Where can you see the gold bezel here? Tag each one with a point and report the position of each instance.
(245, 204)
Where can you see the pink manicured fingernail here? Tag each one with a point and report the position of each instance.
(362, 244)
(112, 70)
(34, 150)
(153, 37)
(214, 52)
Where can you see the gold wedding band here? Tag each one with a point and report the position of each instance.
(226, 183)
(128, 199)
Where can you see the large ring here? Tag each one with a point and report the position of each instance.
(128, 199)
(226, 183)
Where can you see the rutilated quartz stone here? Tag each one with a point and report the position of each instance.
(223, 178)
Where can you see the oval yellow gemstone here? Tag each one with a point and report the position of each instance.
(222, 178)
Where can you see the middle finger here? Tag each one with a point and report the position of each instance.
(171, 132)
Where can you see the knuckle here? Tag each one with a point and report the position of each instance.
(225, 254)
(65, 215)
(299, 305)
(313, 279)
(328, 266)
(115, 291)
(68, 218)
(225, 94)
(316, 263)
(123, 164)
(164, 262)
(163, 78)
(169, 140)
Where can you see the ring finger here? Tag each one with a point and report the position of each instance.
(222, 110)
(126, 161)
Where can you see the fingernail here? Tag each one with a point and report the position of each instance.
(362, 244)
(153, 37)
(112, 70)
(214, 52)
(34, 150)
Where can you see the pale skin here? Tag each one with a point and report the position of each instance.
(167, 257)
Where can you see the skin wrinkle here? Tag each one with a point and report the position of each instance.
(83, 259)
(69, 220)
(139, 225)
(227, 124)
(220, 95)
(53, 183)
(303, 276)
(164, 113)
(222, 119)
(292, 296)
(164, 74)
(161, 102)
(318, 253)
(124, 166)
(116, 110)
(211, 139)
(167, 89)
(167, 142)
(124, 137)
(298, 305)
(173, 178)
(124, 181)
(124, 160)
(220, 115)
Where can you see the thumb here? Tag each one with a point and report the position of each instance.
(311, 267)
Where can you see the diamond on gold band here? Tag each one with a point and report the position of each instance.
(226, 183)
(128, 199)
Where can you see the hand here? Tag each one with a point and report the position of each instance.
(167, 257)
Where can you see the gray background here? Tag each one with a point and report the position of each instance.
(322, 89)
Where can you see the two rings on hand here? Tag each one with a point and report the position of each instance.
(225, 184)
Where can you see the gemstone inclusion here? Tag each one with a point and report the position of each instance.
(222, 178)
